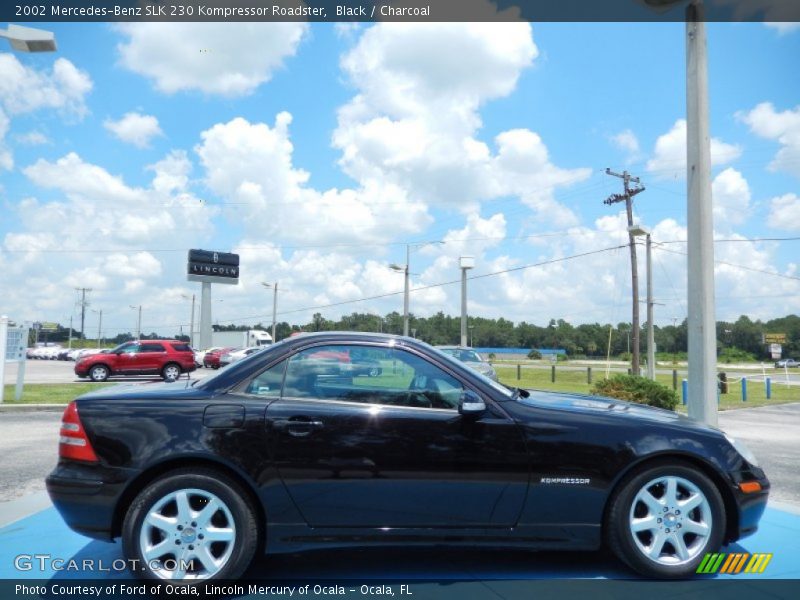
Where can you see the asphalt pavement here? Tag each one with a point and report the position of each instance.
(58, 371)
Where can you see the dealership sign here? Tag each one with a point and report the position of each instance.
(774, 338)
(213, 267)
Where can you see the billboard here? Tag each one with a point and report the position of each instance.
(208, 266)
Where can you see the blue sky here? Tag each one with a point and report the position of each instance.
(318, 151)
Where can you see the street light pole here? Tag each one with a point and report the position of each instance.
(405, 291)
(29, 39)
(466, 263)
(191, 321)
(274, 287)
(637, 231)
(138, 322)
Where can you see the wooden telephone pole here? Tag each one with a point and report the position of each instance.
(627, 197)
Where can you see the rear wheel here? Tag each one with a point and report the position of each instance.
(191, 526)
(171, 372)
(99, 373)
(664, 520)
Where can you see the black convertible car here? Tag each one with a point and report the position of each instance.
(280, 452)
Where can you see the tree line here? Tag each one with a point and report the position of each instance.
(735, 339)
(742, 338)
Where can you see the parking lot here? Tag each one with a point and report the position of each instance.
(29, 524)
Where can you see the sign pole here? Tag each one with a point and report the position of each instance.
(3, 339)
(205, 315)
(21, 362)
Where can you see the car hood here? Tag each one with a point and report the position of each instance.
(602, 405)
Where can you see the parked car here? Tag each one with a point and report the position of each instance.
(274, 453)
(167, 358)
(212, 356)
(470, 358)
(787, 362)
(236, 355)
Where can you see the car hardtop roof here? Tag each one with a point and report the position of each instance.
(340, 336)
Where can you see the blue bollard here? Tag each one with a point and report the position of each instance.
(744, 389)
(769, 387)
(685, 390)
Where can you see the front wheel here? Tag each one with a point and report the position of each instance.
(99, 373)
(190, 526)
(664, 520)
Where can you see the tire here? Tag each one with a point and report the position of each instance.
(171, 372)
(99, 373)
(156, 529)
(664, 519)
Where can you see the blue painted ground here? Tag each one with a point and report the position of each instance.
(46, 533)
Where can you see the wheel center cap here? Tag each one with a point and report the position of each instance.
(670, 519)
(188, 534)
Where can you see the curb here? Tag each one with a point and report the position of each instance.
(32, 407)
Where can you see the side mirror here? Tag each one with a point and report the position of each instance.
(471, 404)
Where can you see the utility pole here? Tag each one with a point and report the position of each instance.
(84, 303)
(702, 333)
(627, 197)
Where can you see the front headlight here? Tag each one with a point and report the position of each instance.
(743, 450)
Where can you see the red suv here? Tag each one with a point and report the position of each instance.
(168, 358)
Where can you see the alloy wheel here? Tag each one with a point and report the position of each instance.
(189, 534)
(670, 520)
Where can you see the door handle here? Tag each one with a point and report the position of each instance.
(297, 426)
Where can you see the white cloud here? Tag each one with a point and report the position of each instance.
(134, 128)
(414, 119)
(626, 140)
(784, 212)
(782, 127)
(669, 154)
(32, 138)
(783, 28)
(24, 89)
(227, 59)
(731, 198)
(250, 166)
(6, 159)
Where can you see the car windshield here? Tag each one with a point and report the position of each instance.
(463, 355)
(211, 380)
(446, 354)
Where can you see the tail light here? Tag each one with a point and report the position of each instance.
(73, 442)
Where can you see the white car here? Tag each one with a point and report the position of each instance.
(236, 355)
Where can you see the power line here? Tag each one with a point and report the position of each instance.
(431, 286)
(743, 267)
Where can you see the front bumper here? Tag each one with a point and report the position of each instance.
(750, 505)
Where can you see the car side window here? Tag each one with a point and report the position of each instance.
(370, 375)
(268, 383)
(151, 348)
(131, 349)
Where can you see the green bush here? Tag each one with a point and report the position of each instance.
(637, 389)
(735, 355)
(492, 356)
(534, 354)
